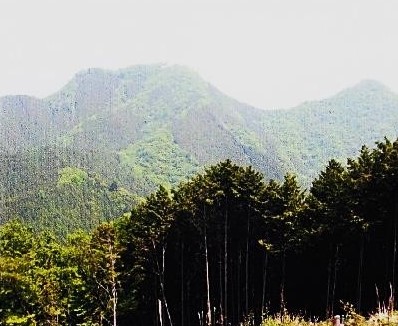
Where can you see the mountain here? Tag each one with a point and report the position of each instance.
(157, 124)
(311, 134)
(122, 133)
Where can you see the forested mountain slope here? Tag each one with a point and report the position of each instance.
(309, 135)
(225, 247)
(142, 126)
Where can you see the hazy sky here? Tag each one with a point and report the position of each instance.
(268, 53)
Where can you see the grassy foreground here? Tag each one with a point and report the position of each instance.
(380, 318)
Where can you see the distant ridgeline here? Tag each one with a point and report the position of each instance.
(222, 248)
(90, 151)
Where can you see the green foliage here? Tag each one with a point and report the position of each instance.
(313, 133)
(15, 239)
(57, 284)
(73, 200)
(157, 160)
(73, 160)
(72, 176)
(146, 126)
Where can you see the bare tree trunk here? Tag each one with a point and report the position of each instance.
(329, 281)
(247, 266)
(161, 279)
(160, 312)
(378, 299)
(157, 317)
(208, 315)
(182, 282)
(221, 320)
(226, 266)
(336, 258)
(113, 285)
(162, 285)
(239, 283)
(283, 283)
(394, 259)
(264, 284)
(114, 299)
(359, 279)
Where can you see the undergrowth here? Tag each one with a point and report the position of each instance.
(382, 317)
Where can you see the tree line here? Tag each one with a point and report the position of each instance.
(224, 247)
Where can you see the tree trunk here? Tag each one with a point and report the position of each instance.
(264, 284)
(114, 299)
(208, 315)
(160, 312)
(226, 265)
(113, 289)
(392, 299)
(359, 279)
(182, 282)
(282, 293)
(247, 266)
(161, 279)
(221, 317)
(162, 286)
(239, 283)
(336, 258)
(329, 281)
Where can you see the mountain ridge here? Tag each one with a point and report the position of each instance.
(129, 71)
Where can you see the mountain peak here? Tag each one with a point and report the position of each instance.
(367, 88)
(371, 85)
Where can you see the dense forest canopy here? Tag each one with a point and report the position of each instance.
(225, 246)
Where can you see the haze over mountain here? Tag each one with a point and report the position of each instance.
(108, 137)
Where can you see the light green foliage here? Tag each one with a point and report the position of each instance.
(248, 138)
(158, 160)
(173, 90)
(72, 176)
(15, 239)
(49, 283)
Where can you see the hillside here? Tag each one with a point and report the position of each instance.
(309, 135)
(142, 126)
(158, 123)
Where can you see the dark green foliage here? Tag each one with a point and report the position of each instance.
(51, 193)
(223, 246)
(305, 251)
(215, 221)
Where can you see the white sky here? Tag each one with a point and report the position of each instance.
(268, 53)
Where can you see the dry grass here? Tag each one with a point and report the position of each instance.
(383, 318)
(291, 320)
(380, 318)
